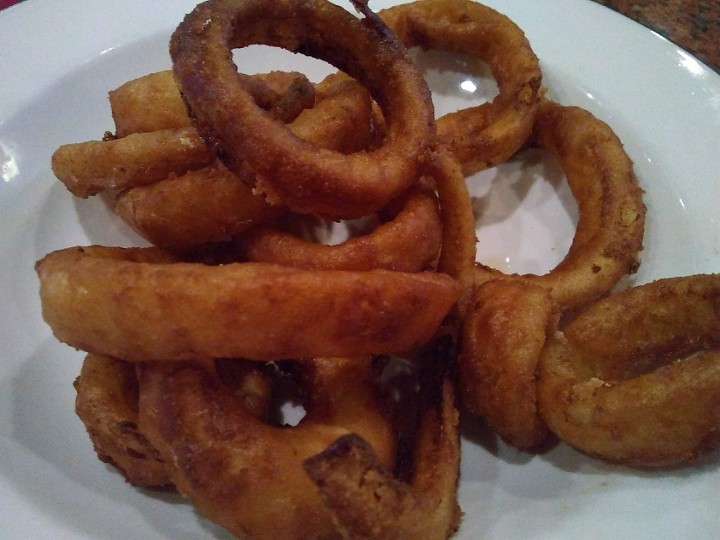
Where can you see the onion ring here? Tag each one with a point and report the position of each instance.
(504, 334)
(138, 159)
(102, 300)
(148, 103)
(408, 241)
(635, 378)
(610, 229)
(457, 254)
(153, 102)
(206, 205)
(213, 205)
(369, 501)
(247, 475)
(482, 136)
(107, 404)
(290, 170)
(342, 119)
(91, 167)
(428, 499)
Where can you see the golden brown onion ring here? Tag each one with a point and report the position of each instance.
(153, 102)
(107, 403)
(292, 171)
(611, 223)
(485, 135)
(90, 167)
(457, 254)
(408, 240)
(206, 205)
(143, 158)
(247, 475)
(102, 300)
(148, 103)
(635, 378)
(504, 334)
(369, 502)
(342, 118)
(213, 205)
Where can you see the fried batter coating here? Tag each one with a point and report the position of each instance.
(212, 204)
(148, 103)
(206, 205)
(369, 502)
(611, 225)
(407, 240)
(247, 475)
(153, 101)
(144, 157)
(485, 135)
(118, 302)
(107, 403)
(635, 378)
(292, 171)
(342, 117)
(88, 168)
(504, 334)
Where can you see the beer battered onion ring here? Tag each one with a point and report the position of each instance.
(107, 403)
(482, 136)
(368, 501)
(211, 204)
(291, 171)
(410, 241)
(457, 253)
(143, 158)
(153, 101)
(611, 223)
(138, 304)
(91, 167)
(419, 498)
(635, 378)
(247, 475)
(407, 240)
(504, 333)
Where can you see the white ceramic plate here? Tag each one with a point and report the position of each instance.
(59, 59)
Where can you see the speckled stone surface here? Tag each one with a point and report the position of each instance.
(694, 25)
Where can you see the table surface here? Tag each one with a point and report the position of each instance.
(694, 25)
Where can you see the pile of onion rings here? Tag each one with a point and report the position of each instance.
(387, 334)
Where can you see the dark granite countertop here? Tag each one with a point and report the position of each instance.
(694, 25)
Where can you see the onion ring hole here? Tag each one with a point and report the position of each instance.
(456, 80)
(525, 213)
(257, 58)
